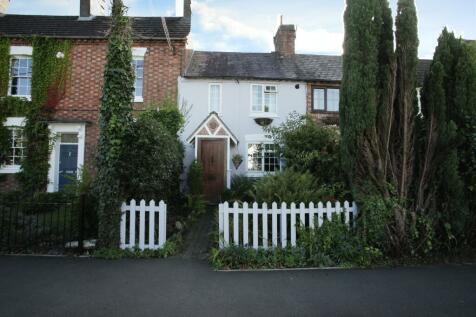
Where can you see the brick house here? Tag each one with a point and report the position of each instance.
(232, 95)
(159, 58)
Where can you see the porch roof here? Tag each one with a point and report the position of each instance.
(212, 126)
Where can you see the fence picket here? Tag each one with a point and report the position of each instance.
(311, 215)
(320, 214)
(162, 223)
(151, 224)
(293, 224)
(132, 224)
(123, 225)
(255, 225)
(265, 225)
(275, 224)
(226, 225)
(346, 212)
(245, 224)
(220, 225)
(236, 229)
(142, 224)
(284, 227)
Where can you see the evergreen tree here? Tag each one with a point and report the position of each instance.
(115, 124)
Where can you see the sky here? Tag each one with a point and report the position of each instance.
(249, 25)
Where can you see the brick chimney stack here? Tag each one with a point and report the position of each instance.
(285, 39)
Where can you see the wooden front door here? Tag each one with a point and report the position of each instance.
(212, 157)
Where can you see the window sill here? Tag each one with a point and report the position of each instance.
(254, 174)
(11, 169)
(21, 97)
(138, 99)
(324, 112)
(255, 115)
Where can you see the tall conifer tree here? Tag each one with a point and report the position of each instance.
(115, 122)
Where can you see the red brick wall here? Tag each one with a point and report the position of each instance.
(321, 117)
(8, 182)
(162, 67)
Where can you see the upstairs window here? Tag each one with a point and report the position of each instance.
(138, 64)
(263, 158)
(214, 98)
(325, 99)
(20, 84)
(264, 98)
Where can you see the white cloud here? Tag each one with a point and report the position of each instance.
(213, 20)
(319, 41)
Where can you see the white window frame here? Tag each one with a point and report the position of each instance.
(260, 113)
(210, 97)
(262, 140)
(18, 52)
(138, 53)
(13, 122)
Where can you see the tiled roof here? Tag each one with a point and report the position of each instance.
(71, 27)
(271, 66)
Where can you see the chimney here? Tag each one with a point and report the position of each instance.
(88, 9)
(84, 9)
(183, 8)
(285, 39)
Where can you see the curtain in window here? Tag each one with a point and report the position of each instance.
(257, 98)
(215, 96)
(333, 99)
(319, 99)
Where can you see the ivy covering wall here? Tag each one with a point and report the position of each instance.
(50, 72)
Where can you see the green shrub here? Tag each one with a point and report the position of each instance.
(195, 178)
(154, 160)
(168, 114)
(241, 189)
(333, 244)
(309, 147)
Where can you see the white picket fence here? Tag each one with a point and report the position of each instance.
(283, 220)
(135, 232)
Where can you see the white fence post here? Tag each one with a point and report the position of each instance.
(123, 225)
(255, 225)
(162, 223)
(245, 224)
(142, 225)
(265, 225)
(311, 215)
(226, 225)
(151, 209)
(220, 226)
(284, 226)
(275, 224)
(236, 229)
(132, 224)
(293, 224)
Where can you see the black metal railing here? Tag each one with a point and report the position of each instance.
(46, 228)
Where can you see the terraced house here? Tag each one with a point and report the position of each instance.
(159, 52)
(232, 96)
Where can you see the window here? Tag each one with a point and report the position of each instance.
(325, 99)
(214, 98)
(264, 98)
(20, 84)
(17, 148)
(138, 64)
(262, 158)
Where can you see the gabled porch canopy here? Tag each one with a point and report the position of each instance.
(212, 127)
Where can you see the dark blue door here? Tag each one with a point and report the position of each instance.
(68, 164)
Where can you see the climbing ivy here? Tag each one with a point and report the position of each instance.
(49, 74)
(50, 71)
(115, 125)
